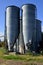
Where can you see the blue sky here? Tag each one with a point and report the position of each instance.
(19, 3)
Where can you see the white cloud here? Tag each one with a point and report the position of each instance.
(1, 38)
(42, 28)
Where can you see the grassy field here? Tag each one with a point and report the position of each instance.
(13, 59)
(26, 57)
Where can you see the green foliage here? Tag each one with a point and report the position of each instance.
(2, 44)
(3, 51)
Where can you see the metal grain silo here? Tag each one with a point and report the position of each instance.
(38, 30)
(28, 20)
(12, 25)
(21, 40)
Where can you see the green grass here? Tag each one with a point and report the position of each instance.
(2, 51)
(14, 57)
(26, 57)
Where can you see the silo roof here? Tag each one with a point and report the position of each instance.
(13, 6)
(30, 5)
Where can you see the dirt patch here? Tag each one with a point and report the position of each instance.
(12, 62)
(1, 61)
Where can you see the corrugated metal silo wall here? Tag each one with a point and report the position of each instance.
(28, 19)
(38, 30)
(13, 25)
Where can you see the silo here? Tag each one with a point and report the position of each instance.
(38, 30)
(28, 20)
(21, 40)
(12, 25)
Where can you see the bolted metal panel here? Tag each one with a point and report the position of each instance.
(38, 30)
(12, 25)
(28, 19)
